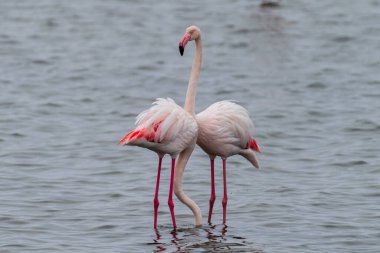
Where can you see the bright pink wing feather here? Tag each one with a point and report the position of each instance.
(133, 135)
(140, 134)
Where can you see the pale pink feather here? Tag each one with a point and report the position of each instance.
(165, 128)
(225, 129)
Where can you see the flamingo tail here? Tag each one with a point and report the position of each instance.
(250, 155)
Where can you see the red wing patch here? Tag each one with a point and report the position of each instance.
(141, 133)
(252, 144)
(133, 135)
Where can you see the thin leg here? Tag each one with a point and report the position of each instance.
(156, 203)
(224, 201)
(212, 198)
(170, 199)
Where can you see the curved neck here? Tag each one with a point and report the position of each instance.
(194, 76)
(178, 191)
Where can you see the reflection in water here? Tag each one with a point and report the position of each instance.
(159, 247)
(205, 239)
(270, 3)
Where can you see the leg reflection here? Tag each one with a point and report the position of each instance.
(224, 231)
(160, 247)
(175, 241)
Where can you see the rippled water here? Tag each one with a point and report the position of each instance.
(74, 74)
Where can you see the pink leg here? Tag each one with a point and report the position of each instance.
(155, 200)
(224, 201)
(170, 199)
(212, 198)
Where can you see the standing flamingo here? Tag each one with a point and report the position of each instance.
(225, 129)
(167, 128)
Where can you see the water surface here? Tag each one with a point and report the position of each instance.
(75, 74)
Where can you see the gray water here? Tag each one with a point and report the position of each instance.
(74, 74)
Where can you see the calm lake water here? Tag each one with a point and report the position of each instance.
(74, 74)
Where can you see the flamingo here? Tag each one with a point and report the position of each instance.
(225, 129)
(167, 128)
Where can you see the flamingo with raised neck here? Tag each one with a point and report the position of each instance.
(167, 128)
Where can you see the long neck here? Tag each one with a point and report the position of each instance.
(194, 76)
(178, 191)
(185, 155)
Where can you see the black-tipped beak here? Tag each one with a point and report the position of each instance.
(183, 42)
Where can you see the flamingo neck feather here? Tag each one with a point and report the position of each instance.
(194, 76)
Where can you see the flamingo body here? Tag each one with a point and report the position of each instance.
(225, 129)
(165, 128)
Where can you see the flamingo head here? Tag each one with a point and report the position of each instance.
(192, 33)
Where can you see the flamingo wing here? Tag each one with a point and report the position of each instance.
(164, 122)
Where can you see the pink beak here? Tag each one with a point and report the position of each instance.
(183, 42)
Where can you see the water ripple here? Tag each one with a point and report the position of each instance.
(75, 75)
